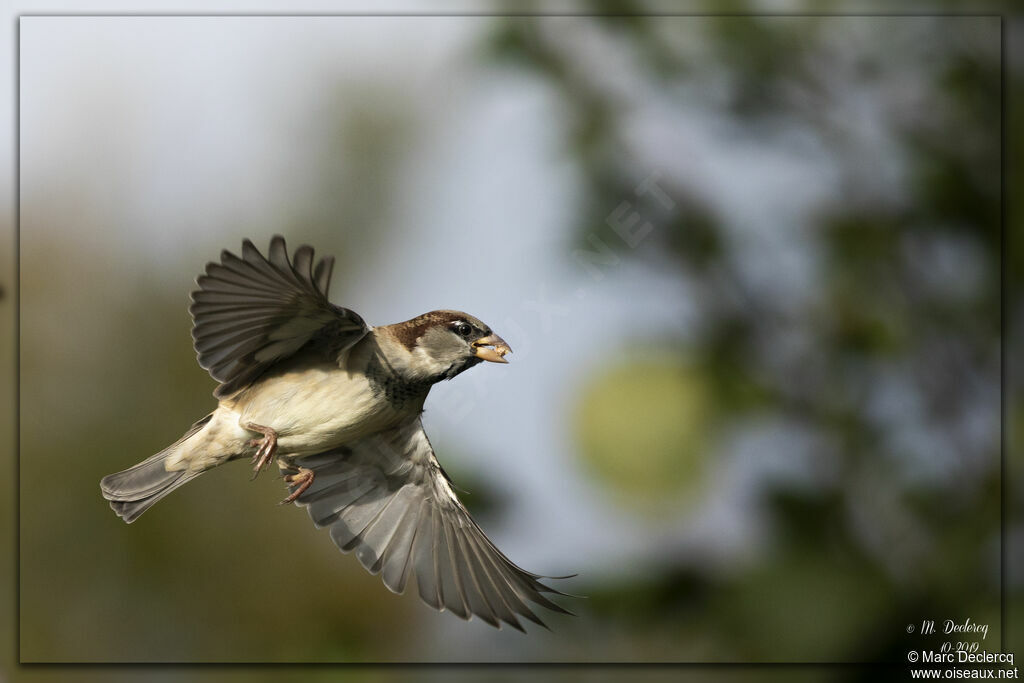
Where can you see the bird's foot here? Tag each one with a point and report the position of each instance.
(266, 447)
(304, 479)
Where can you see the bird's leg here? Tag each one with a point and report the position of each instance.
(267, 446)
(304, 479)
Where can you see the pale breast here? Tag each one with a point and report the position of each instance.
(317, 407)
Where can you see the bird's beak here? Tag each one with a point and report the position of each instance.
(492, 348)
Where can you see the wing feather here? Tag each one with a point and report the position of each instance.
(376, 537)
(386, 499)
(501, 595)
(425, 558)
(322, 273)
(450, 575)
(470, 574)
(399, 552)
(251, 312)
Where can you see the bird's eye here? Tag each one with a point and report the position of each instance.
(463, 329)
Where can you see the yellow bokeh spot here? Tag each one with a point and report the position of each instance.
(642, 427)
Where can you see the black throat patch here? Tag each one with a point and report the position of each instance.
(395, 390)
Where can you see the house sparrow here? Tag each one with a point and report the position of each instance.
(337, 403)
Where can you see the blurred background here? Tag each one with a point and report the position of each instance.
(749, 267)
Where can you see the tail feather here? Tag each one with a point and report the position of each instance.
(129, 510)
(137, 488)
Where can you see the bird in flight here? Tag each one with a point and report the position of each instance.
(337, 404)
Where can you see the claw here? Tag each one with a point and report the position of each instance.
(304, 477)
(267, 446)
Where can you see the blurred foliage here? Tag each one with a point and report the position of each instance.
(892, 347)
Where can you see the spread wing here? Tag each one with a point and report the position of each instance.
(386, 498)
(252, 312)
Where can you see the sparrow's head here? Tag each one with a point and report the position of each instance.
(441, 344)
